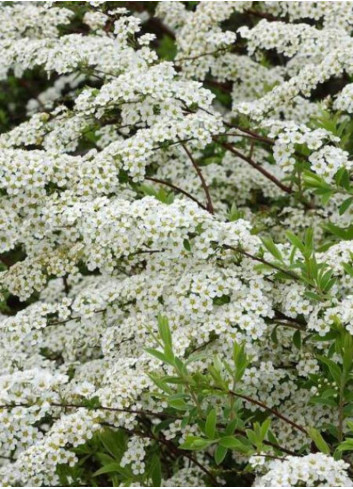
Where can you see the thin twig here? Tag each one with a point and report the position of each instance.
(209, 206)
(97, 408)
(289, 325)
(179, 452)
(139, 412)
(263, 15)
(177, 189)
(209, 53)
(264, 262)
(267, 408)
(257, 167)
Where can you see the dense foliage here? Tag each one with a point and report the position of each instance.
(176, 243)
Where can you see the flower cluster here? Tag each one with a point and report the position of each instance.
(310, 471)
(176, 259)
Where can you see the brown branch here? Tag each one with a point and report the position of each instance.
(66, 285)
(141, 252)
(97, 311)
(271, 410)
(263, 15)
(264, 262)
(139, 412)
(209, 342)
(207, 472)
(258, 137)
(210, 53)
(251, 134)
(282, 316)
(76, 318)
(257, 167)
(288, 325)
(177, 189)
(97, 408)
(179, 452)
(209, 206)
(264, 406)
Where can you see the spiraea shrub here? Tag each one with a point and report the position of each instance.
(176, 244)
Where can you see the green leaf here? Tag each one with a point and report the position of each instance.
(231, 426)
(164, 330)
(240, 361)
(272, 438)
(156, 471)
(123, 176)
(323, 401)
(296, 242)
(220, 454)
(107, 469)
(326, 282)
(320, 443)
(334, 369)
(345, 205)
(167, 48)
(114, 442)
(343, 233)
(331, 335)
(104, 458)
(309, 239)
(346, 445)
(173, 380)
(187, 245)
(312, 295)
(342, 178)
(156, 353)
(272, 248)
(274, 337)
(210, 425)
(326, 196)
(180, 366)
(347, 354)
(312, 180)
(220, 301)
(265, 427)
(233, 443)
(297, 339)
(196, 443)
(169, 355)
(179, 404)
(348, 269)
(234, 214)
(148, 190)
(163, 386)
(252, 437)
(160, 194)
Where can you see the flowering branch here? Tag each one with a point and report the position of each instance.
(257, 167)
(177, 189)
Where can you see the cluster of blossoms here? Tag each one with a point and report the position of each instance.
(135, 454)
(137, 184)
(312, 471)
